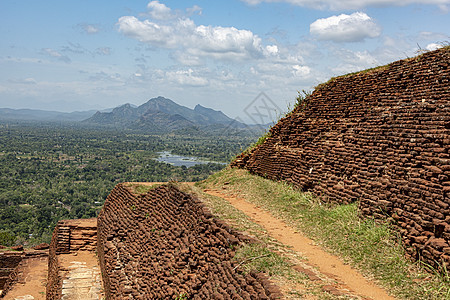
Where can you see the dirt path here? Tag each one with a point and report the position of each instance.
(31, 283)
(347, 277)
(81, 276)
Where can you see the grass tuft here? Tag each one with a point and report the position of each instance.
(258, 257)
(139, 189)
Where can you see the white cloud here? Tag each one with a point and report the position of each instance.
(224, 43)
(186, 77)
(272, 49)
(433, 46)
(354, 4)
(148, 32)
(345, 28)
(159, 11)
(301, 71)
(195, 42)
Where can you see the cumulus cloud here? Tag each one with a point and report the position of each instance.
(196, 45)
(146, 31)
(353, 4)
(300, 71)
(345, 28)
(159, 11)
(225, 43)
(196, 42)
(272, 49)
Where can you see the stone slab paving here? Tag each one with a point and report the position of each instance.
(81, 276)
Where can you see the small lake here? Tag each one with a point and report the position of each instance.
(178, 160)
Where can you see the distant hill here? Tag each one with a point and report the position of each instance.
(164, 115)
(158, 115)
(43, 115)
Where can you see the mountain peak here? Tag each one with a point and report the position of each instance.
(198, 106)
(160, 110)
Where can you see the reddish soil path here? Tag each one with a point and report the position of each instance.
(347, 277)
(31, 283)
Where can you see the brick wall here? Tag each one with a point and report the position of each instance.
(75, 235)
(164, 245)
(380, 137)
(54, 281)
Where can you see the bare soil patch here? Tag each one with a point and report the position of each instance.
(349, 280)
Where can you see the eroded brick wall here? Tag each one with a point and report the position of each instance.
(164, 245)
(380, 137)
(9, 262)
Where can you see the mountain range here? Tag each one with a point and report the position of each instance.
(160, 114)
(157, 115)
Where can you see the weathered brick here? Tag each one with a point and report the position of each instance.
(390, 144)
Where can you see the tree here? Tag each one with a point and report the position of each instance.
(7, 238)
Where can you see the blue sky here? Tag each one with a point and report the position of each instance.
(77, 55)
